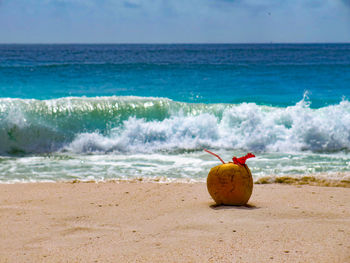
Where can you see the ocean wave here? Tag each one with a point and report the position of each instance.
(141, 125)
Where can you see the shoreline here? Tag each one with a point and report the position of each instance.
(177, 222)
(283, 180)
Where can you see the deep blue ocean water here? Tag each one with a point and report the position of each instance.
(126, 111)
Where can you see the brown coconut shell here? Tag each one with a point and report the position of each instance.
(230, 184)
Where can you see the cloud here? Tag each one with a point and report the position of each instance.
(129, 4)
(175, 21)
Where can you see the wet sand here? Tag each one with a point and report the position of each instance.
(171, 222)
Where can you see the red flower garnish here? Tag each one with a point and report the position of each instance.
(241, 160)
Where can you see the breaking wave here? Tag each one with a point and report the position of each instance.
(141, 125)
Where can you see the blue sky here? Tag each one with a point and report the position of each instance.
(174, 21)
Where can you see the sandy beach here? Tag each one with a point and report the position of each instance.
(171, 222)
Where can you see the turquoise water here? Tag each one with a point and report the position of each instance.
(129, 111)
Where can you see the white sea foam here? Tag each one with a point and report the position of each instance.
(164, 166)
(246, 126)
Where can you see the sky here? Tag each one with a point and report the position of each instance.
(174, 21)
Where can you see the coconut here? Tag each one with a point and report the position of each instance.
(230, 183)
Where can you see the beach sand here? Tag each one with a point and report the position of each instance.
(171, 222)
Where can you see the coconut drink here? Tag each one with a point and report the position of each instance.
(230, 183)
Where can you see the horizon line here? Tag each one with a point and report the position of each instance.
(172, 43)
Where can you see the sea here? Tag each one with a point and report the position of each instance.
(146, 112)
